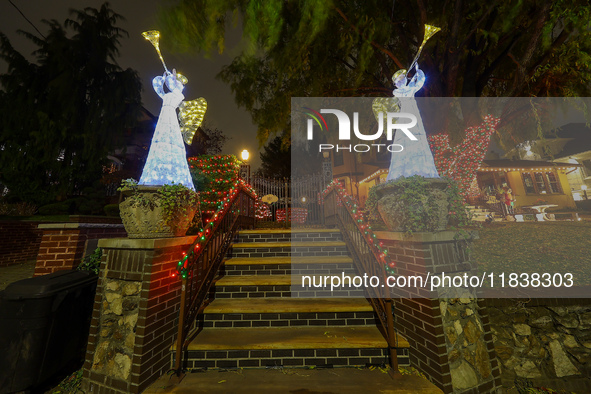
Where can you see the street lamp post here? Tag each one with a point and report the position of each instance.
(584, 189)
(245, 167)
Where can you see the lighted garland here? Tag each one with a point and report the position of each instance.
(262, 210)
(378, 247)
(461, 162)
(224, 206)
(295, 215)
(214, 175)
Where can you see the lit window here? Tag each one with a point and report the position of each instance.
(553, 182)
(528, 183)
(540, 184)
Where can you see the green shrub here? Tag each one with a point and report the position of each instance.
(18, 209)
(420, 206)
(111, 209)
(58, 208)
(92, 262)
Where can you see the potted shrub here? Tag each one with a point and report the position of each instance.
(417, 204)
(156, 211)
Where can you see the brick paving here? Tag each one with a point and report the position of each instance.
(13, 273)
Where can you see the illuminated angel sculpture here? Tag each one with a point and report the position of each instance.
(167, 159)
(416, 158)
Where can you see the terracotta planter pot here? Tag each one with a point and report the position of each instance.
(143, 216)
(398, 216)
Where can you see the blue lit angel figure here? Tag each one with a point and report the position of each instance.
(416, 158)
(167, 159)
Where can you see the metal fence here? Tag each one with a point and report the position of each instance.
(298, 199)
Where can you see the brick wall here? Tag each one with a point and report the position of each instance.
(419, 317)
(151, 262)
(62, 244)
(19, 241)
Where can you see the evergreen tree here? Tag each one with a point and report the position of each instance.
(314, 48)
(64, 112)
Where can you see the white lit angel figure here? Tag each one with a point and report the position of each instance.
(416, 158)
(167, 159)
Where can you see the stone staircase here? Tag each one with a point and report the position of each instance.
(480, 214)
(255, 321)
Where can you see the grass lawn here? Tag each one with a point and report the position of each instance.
(537, 247)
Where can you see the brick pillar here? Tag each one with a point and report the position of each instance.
(449, 332)
(135, 316)
(62, 244)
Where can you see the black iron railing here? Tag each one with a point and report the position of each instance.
(340, 211)
(201, 265)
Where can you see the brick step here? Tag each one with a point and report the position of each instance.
(285, 235)
(290, 347)
(289, 260)
(288, 265)
(286, 319)
(287, 249)
(281, 305)
(254, 286)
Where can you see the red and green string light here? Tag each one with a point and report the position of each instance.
(461, 162)
(224, 183)
(378, 247)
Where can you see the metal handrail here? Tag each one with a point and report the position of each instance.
(201, 265)
(367, 258)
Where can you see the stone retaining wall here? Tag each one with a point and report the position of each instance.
(547, 341)
(449, 333)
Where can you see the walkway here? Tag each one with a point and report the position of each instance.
(301, 381)
(13, 273)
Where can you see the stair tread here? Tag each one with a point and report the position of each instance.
(286, 305)
(254, 280)
(288, 260)
(314, 337)
(319, 380)
(262, 280)
(290, 231)
(286, 244)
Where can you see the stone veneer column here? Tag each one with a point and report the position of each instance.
(62, 244)
(450, 337)
(135, 316)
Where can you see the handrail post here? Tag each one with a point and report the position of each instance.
(209, 256)
(391, 337)
(180, 337)
(365, 257)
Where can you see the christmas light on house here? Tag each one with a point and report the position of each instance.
(461, 162)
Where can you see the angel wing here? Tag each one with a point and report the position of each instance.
(191, 115)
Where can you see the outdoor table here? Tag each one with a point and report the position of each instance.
(541, 209)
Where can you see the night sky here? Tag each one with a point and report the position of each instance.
(137, 53)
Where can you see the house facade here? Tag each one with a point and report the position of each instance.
(570, 144)
(532, 182)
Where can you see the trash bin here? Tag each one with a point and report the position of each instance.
(44, 324)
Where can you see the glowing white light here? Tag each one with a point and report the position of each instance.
(167, 159)
(245, 155)
(583, 187)
(416, 158)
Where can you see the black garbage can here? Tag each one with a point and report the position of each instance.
(44, 323)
